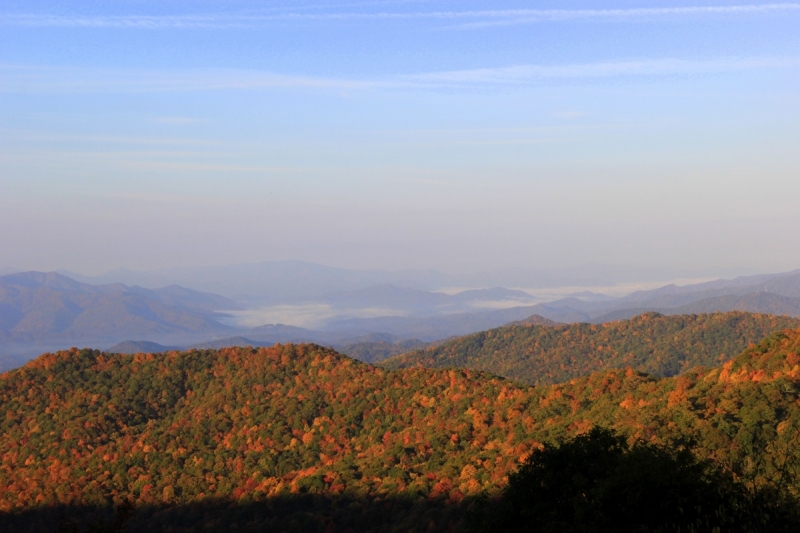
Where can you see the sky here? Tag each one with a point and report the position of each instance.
(460, 136)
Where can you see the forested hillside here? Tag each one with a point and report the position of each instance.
(300, 438)
(652, 343)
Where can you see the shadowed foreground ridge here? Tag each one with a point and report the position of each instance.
(599, 483)
(300, 438)
(295, 513)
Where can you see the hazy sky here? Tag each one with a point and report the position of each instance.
(397, 134)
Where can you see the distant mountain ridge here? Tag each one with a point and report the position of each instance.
(48, 307)
(272, 281)
(291, 281)
(757, 302)
(775, 294)
(409, 293)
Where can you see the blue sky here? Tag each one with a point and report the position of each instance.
(407, 134)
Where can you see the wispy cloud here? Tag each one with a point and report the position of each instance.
(23, 78)
(35, 137)
(528, 16)
(31, 79)
(471, 19)
(536, 73)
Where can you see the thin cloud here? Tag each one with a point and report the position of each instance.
(529, 16)
(150, 22)
(522, 74)
(26, 79)
(33, 79)
(477, 18)
(34, 137)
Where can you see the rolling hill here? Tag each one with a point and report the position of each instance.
(300, 438)
(656, 344)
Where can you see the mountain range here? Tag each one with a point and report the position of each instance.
(49, 311)
(271, 282)
(293, 281)
(429, 316)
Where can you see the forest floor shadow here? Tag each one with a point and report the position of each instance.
(304, 513)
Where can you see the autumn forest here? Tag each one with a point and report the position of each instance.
(301, 438)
